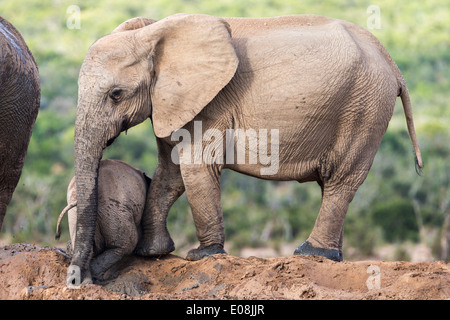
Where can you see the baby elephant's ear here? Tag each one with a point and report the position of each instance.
(133, 24)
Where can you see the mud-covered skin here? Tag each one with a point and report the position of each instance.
(204, 251)
(162, 247)
(306, 248)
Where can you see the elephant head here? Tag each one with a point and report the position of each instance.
(167, 71)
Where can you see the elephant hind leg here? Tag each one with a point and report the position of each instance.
(326, 236)
(343, 169)
(340, 182)
(115, 239)
(101, 263)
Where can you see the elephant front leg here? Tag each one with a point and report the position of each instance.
(202, 185)
(166, 187)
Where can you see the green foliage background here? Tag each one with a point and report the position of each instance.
(394, 205)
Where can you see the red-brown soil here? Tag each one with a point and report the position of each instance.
(31, 272)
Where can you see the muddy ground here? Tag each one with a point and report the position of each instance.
(31, 272)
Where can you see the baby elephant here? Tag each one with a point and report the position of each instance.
(122, 193)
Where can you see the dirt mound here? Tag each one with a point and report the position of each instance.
(31, 272)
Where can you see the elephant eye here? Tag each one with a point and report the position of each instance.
(116, 94)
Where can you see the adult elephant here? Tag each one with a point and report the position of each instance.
(324, 89)
(19, 105)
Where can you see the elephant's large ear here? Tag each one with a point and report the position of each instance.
(193, 59)
(133, 24)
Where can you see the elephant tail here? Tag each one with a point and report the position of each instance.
(61, 216)
(406, 101)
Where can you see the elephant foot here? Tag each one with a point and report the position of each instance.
(306, 248)
(201, 252)
(154, 247)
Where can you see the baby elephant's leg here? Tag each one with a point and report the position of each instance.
(115, 248)
(101, 263)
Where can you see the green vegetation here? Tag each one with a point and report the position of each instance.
(394, 205)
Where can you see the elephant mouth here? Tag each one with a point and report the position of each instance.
(123, 127)
(110, 141)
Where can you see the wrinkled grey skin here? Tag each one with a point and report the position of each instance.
(328, 86)
(19, 104)
(122, 192)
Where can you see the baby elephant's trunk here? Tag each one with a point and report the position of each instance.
(61, 216)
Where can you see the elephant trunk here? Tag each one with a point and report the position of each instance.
(88, 150)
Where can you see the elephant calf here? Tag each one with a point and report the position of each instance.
(122, 192)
